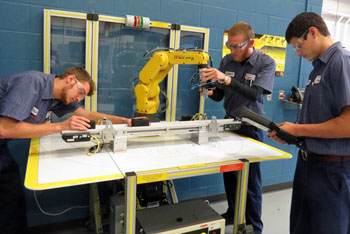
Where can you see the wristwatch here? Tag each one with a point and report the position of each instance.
(223, 81)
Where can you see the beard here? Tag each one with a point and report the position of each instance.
(239, 57)
(65, 97)
(242, 56)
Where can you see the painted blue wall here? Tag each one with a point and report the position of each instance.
(21, 48)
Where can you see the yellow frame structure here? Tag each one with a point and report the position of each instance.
(90, 102)
(171, 113)
(91, 53)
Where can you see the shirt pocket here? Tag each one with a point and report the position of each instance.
(316, 104)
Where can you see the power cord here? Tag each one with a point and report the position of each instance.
(55, 214)
(154, 50)
(200, 116)
(166, 101)
(96, 148)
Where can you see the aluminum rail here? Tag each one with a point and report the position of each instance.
(117, 134)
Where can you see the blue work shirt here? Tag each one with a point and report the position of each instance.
(326, 94)
(258, 70)
(28, 97)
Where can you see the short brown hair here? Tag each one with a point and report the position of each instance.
(82, 75)
(303, 22)
(242, 28)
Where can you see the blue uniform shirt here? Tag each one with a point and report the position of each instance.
(258, 70)
(326, 94)
(27, 97)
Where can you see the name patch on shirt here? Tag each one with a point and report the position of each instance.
(250, 77)
(315, 82)
(34, 111)
(317, 79)
(232, 74)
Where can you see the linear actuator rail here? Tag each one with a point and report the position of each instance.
(118, 134)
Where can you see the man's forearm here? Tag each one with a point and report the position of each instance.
(329, 129)
(92, 115)
(338, 127)
(251, 93)
(10, 128)
(116, 119)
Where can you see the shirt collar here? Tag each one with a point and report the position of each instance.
(48, 93)
(326, 56)
(253, 58)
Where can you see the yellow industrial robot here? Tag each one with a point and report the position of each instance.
(147, 90)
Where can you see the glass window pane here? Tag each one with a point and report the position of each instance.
(67, 43)
(121, 52)
(187, 103)
(68, 38)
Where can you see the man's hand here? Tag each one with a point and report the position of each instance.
(209, 91)
(211, 74)
(75, 123)
(286, 126)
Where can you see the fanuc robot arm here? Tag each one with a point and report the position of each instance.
(147, 90)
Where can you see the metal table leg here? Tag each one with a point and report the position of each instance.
(241, 199)
(130, 202)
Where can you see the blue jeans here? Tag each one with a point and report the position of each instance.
(321, 198)
(254, 193)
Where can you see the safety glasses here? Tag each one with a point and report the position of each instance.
(300, 41)
(82, 92)
(237, 46)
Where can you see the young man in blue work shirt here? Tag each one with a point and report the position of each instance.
(321, 188)
(245, 76)
(25, 99)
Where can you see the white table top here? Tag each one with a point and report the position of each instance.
(54, 163)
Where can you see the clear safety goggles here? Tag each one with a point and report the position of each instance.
(300, 41)
(237, 46)
(82, 92)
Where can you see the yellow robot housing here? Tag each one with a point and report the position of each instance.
(147, 90)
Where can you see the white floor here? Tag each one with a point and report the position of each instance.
(275, 212)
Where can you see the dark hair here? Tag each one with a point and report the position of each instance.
(302, 22)
(242, 28)
(82, 76)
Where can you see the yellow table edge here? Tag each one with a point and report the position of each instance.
(197, 166)
(31, 178)
(163, 174)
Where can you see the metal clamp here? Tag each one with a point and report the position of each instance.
(303, 155)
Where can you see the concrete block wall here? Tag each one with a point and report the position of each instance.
(21, 48)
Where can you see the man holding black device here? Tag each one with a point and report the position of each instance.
(321, 186)
(244, 76)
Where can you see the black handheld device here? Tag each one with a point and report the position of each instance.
(268, 125)
(137, 122)
(92, 124)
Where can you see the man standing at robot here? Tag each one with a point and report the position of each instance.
(244, 76)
